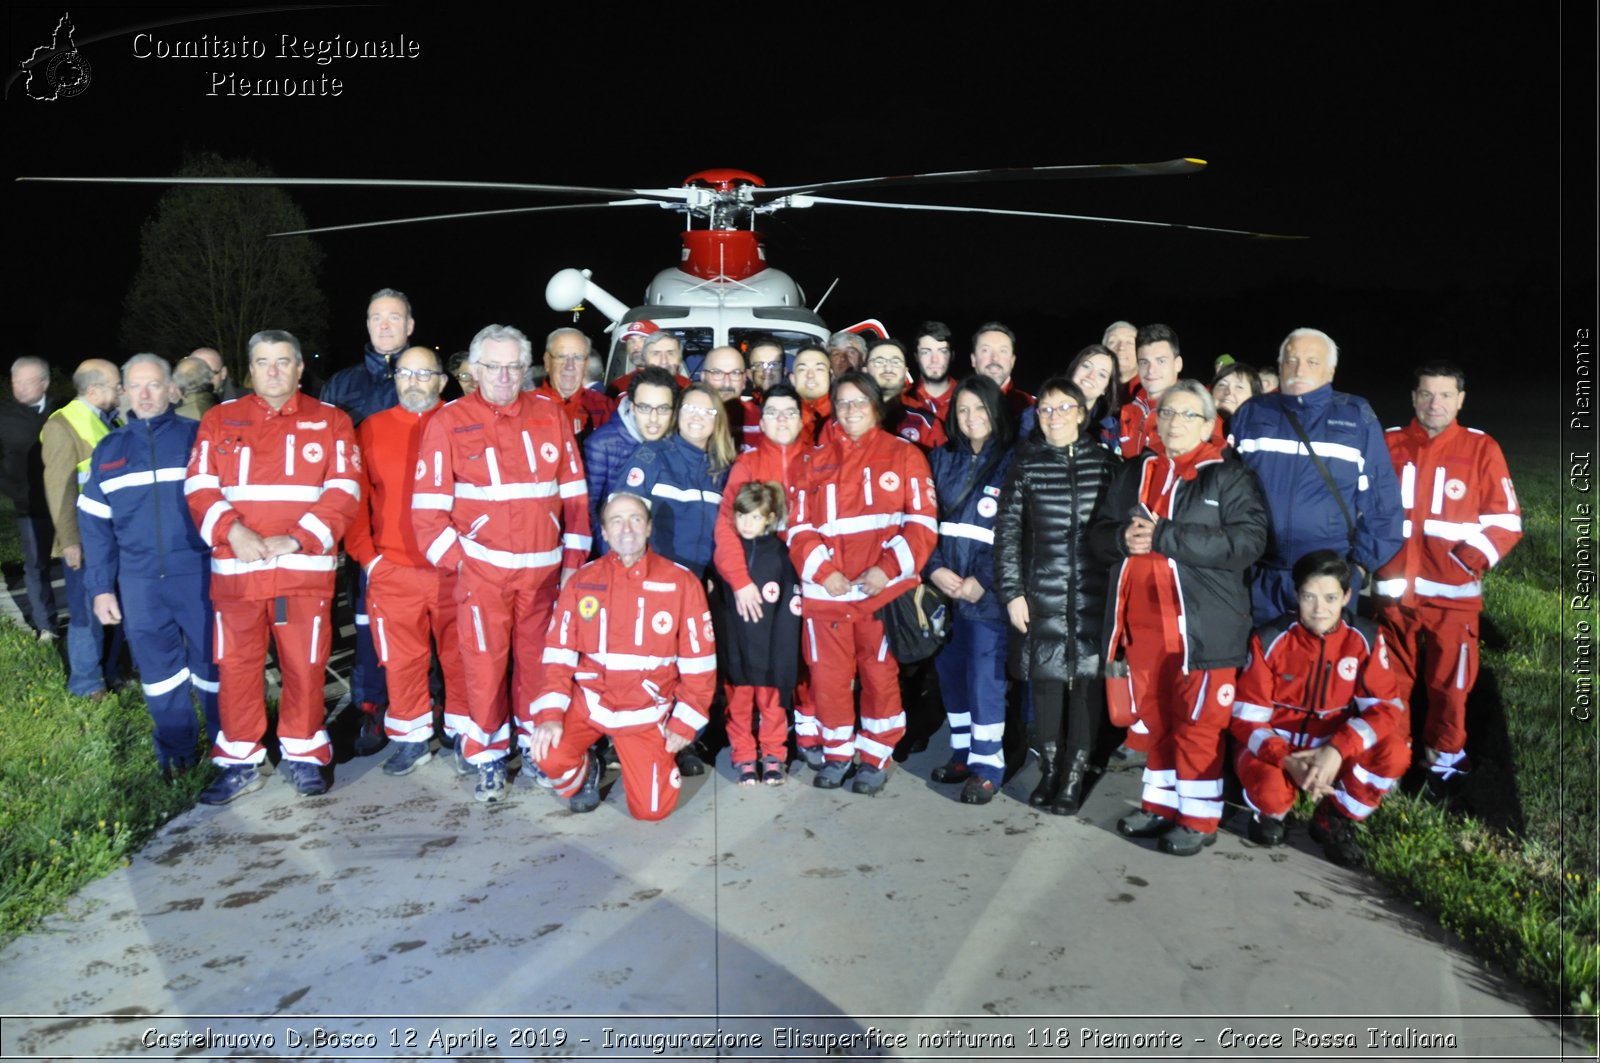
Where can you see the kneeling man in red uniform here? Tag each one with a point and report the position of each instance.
(630, 654)
(1318, 711)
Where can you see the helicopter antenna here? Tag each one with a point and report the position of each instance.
(825, 295)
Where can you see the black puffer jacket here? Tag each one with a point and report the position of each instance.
(1041, 553)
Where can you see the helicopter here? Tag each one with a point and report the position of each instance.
(722, 291)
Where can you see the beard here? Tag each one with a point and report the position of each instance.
(415, 400)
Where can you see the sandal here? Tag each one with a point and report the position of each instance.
(746, 772)
(772, 772)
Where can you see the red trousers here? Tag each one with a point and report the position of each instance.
(1186, 715)
(1440, 646)
(301, 629)
(849, 647)
(501, 618)
(650, 778)
(408, 606)
(743, 704)
(1360, 785)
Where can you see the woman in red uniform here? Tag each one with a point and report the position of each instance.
(864, 526)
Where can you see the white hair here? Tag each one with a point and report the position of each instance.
(1333, 348)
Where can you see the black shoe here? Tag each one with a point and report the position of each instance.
(1267, 831)
(909, 747)
(1337, 834)
(587, 799)
(1069, 797)
(952, 773)
(1185, 841)
(1049, 775)
(1142, 824)
(689, 763)
(371, 737)
(977, 791)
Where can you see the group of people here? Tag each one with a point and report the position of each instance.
(605, 572)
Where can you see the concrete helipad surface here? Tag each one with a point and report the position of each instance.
(403, 918)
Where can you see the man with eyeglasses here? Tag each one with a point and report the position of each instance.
(362, 390)
(723, 369)
(766, 366)
(934, 387)
(66, 446)
(410, 600)
(644, 415)
(1360, 518)
(886, 364)
(500, 498)
(566, 363)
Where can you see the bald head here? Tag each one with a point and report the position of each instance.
(213, 360)
(723, 369)
(97, 382)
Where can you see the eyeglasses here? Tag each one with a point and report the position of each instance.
(421, 376)
(721, 374)
(464, 378)
(702, 412)
(1063, 410)
(886, 363)
(851, 404)
(766, 367)
(653, 411)
(1167, 414)
(782, 415)
(513, 369)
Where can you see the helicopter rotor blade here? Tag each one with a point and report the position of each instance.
(473, 214)
(806, 201)
(661, 194)
(1170, 168)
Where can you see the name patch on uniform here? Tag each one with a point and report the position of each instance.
(651, 585)
(311, 424)
(588, 605)
(119, 463)
(237, 424)
(468, 428)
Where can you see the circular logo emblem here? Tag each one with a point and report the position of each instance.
(987, 507)
(1347, 668)
(312, 452)
(355, 457)
(889, 481)
(588, 605)
(1225, 695)
(794, 605)
(707, 630)
(635, 476)
(1455, 490)
(769, 591)
(422, 468)
(675, 780)
(549, 452)
(910, 433)
(661, 623)
(68, 75)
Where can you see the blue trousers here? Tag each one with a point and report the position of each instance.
(37, 534)
(368, 681)
(168, 624)
(972, 677)
(91, 655)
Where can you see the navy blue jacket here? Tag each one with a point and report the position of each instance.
(605, 458)
(684, 497)
(132, 515)
(363, 390)
(966, 535)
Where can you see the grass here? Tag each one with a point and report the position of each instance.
(79, 789)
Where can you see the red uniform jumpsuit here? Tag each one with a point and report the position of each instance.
(408, 598)
(500, 493)
(938, 405)
(292, 471)
(1300, 691)
(787, 466)
(1461, 519)
(630, 653)
(586, 408)
(865, 502)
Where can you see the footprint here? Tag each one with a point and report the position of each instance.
(239, 900)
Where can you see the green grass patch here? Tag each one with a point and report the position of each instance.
(1530, 899)
(79, 788)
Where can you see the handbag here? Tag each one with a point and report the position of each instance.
(917, 624)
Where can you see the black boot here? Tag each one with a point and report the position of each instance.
(1049, 775)
(1075, 765)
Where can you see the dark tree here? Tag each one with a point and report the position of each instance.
(210, 274)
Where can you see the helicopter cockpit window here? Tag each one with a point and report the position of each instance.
(742, 338)
(696, 342)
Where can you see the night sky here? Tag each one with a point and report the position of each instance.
(1421, 150)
